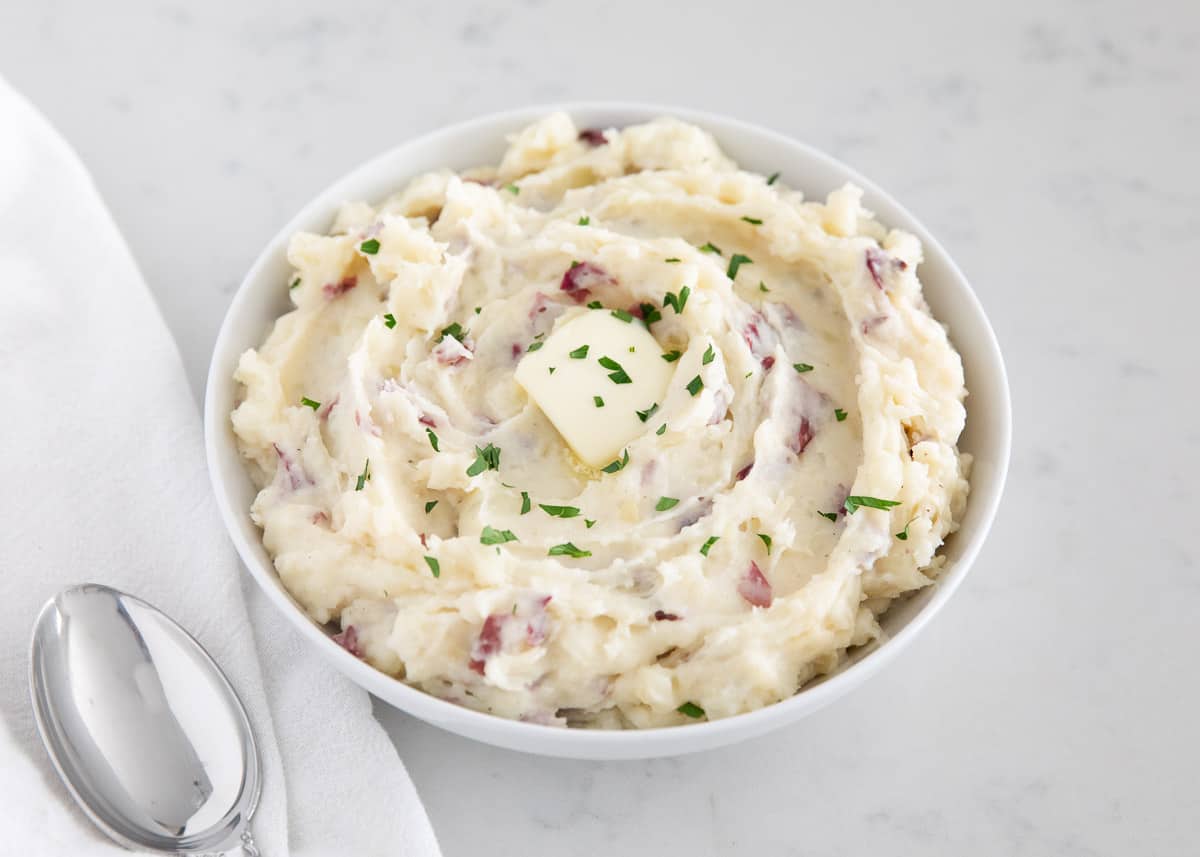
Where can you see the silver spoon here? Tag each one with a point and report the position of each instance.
(143, 727)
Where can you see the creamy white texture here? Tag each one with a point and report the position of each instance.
(615, 607)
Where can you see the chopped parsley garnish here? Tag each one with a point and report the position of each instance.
(455, 330)
(632, 349)
(429, 507)
(567, 549)
(672, 356)
(665, 503)
(364, 476)
(710, 247)
(695, 385)
(559, 511)
(587, 522)
(623, 315)
(534, 346)
(295, 283)
(855, 502)
(491, 536)
(512, 188)
(802, 367)
(552, 368)
(526, 503)
(370, 246)
(774, 177)
(595, 305)
(487, 458)
(903, 534)
(677, 301)
(673, 260)
(598, 401)
(709, 354)
(585, 220)
(762, 287)
(618, 464)
(434, 566)
(691, 709)
(833, 516)
(712, 540)
(661, 429)
(753, 221)
(649, 412)
(309, 403)
(575, 263)
(766, 540)
(650, 314)
(617, 375)
(840, 414)
(478, 310)
(389, 320)
(433, 439)
(579, 353)
(735, 262)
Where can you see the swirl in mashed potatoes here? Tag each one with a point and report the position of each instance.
(430, 435)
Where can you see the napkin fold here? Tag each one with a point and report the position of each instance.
(102, 479)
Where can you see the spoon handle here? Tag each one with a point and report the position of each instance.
(248, 846)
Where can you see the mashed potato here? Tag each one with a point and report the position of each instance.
(798, 474)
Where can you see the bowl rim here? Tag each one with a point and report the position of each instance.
(602, 744)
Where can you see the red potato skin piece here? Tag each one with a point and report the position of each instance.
(348, 640)
(336, 290)
(593, 137)
(755, 588)
(578, 281)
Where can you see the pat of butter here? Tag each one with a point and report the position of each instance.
(596, 415)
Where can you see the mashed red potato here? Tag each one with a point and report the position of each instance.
(429, 431)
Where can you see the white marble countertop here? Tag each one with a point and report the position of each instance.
(1051, 709)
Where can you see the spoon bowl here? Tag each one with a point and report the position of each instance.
(143, 728)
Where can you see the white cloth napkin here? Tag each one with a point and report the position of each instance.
(102, 479)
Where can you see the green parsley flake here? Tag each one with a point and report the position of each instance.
(774, 178)
(433, 439)
(735, 262)
(619, 464)
(709, 355)
(766, 540)
(478, 310)
(364, 476)
(903, 534)
(677, 301)
(695, 385)
(552, 368)
(309, 403)
(526, 503)
(672, 356)
(487, 458)
(579, 353)
(587, 522)
(650, 314)
(491, 536)
(434, 566)
(840, 414)
(455, 331)
(649, 412)
(585, 220)
(762, 287)
(673, 260)
(665, 503)
(753, 221)
(623, 315)
(595, 305)
(855, 502)
(712, 540)
(598, 401)
(802, 367)
(567, 549)
(710, 247)
(295, 283)
(833, 516)
(691, 709)
(617, 374)
(370, 247)
(534, 346)
(661, 429)
(430, 506)
(559, 511)
(512, 188)
(389, 320)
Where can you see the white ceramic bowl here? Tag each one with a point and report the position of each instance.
(262, 298)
